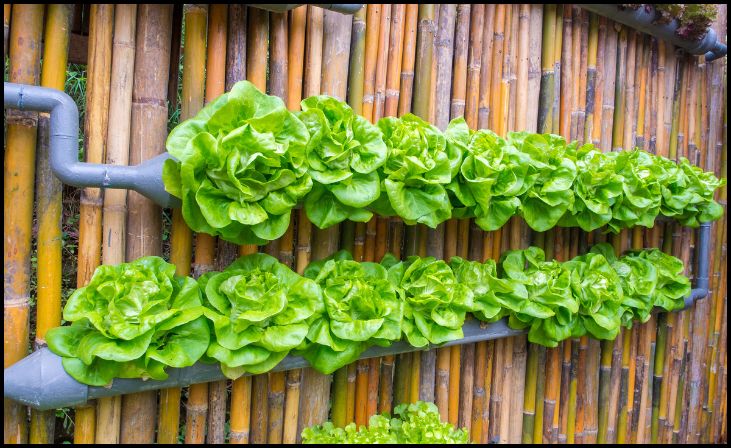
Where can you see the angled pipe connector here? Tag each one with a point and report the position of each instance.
(642, 19)
(145, 178)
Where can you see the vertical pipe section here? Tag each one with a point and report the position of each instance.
(144, 221)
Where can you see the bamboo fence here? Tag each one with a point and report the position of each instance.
(551, 68)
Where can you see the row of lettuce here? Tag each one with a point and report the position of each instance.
(245, 161)
(418, 422)
(134, 320)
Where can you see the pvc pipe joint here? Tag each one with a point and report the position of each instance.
(145, 178)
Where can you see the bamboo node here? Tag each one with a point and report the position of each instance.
(19, 302)
(27, 118)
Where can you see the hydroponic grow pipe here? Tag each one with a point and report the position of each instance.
(39, 380)
(282, 7)
(145, 178)
(642, 19)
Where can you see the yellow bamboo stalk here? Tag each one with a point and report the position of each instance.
(333, 53)
(115, 201)
(294, 90)
(48, 193)
(6, 26)
(256, 72)
(99, 71)
(194, 57)
(457, 234)
(215, 85)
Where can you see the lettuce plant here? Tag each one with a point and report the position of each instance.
(260, 311)
(596, 189)
(491, 180)
(493, 297)
(548, 307)
(418, 167)
(362, 309)
(241, 166)
(131, 321)
(687, 193)
(415, 423)
(597, 287)
(672, 286)
(343, 156)
(550, 173)
(435, 304)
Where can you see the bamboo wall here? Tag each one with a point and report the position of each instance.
(538, 68)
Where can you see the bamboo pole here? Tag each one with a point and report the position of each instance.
(294, 95)
(403, 364)
(180, 256)
(149, 130)
(343, 403)
(115, 201)
(282, 248)
(48, 192)
(299, 25)
(96, 113)
(384, 243)
(519, 233)
(256, 72)
(443, 55)
(415, 241)
(413, 238)
(374, 23)
(205, 244)
(335, 55)
(194, 60)
(6, 26)
(486, 68)
(377, 227)
(461, 384)
(236, 45)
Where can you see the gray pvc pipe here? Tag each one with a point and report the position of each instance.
(642, 20)
(281, 7)
(145, 178)
(39, 380)
(702, 265)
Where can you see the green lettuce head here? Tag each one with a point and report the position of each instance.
(596, 285)
(260, 311)
(343, 156)
(642, 187)
(550, 174)
(435, 303)
(362, 307)
(492, 179)
(493, 297)
(687, 194)
(548, 307)
(420, 164)
(131, 321)
(240, 167)
(672, 286)
(596, 189)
